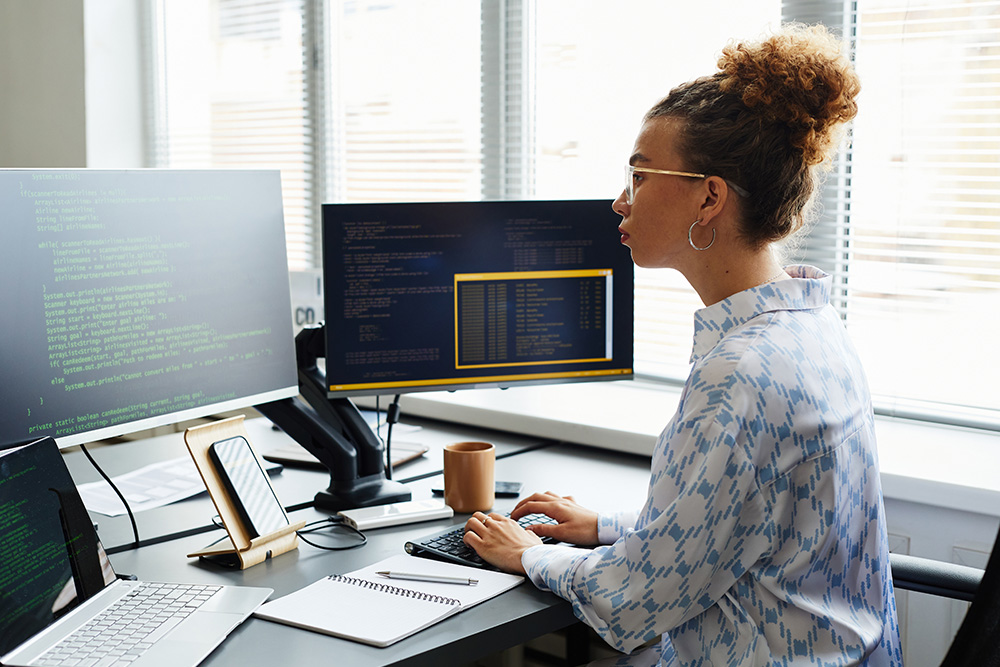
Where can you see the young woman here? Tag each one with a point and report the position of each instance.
(762, 540)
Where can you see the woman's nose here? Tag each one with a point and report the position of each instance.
(619, 206)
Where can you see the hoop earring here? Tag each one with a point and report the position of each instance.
(691, 228)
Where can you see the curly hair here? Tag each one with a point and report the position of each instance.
(769, 120)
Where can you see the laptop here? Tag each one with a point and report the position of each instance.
(61, 602)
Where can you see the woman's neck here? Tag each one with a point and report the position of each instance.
(718, 277)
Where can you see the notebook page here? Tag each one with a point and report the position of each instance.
(377, 616)
(490, 583)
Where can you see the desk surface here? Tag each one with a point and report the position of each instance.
(599, 479)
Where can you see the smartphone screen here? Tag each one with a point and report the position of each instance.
(248, 486)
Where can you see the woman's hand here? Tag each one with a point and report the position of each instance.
(499, 540)
(577, 525)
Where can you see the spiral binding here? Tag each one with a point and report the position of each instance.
(394, 590)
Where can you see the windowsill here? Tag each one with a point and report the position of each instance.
(932, 464)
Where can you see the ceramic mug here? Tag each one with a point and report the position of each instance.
(468, 476)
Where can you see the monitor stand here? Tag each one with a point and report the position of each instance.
(334, 431)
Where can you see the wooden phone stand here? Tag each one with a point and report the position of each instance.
(239, 549)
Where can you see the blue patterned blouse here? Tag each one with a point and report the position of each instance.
(762, 540)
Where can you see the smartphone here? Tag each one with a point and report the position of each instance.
(500, 490)
(249, 489)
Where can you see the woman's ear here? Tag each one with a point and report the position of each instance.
(716, 193)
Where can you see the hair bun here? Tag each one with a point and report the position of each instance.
(799, 77)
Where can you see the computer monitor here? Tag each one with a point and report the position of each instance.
(137, 298)
(457, 295)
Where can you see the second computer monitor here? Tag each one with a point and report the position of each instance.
(136, 298)
(428, 296)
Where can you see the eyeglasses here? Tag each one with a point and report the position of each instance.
(631, 170)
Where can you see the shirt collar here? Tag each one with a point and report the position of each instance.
(808, 289)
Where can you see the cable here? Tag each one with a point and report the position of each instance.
(135, 528)
(391, 417)
(378, 434)
(333, 522)
(309, 528)
(378, 421)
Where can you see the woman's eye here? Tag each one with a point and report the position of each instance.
(636, 178)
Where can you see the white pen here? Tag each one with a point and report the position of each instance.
(432, 578)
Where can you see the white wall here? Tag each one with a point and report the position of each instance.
(55, 110)
(42, 117)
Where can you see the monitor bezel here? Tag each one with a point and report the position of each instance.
(626, 374)
(171, 418)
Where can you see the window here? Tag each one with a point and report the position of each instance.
(925, 263)
(404, 100)
(230, 92)
(913, 212)
(453, 99)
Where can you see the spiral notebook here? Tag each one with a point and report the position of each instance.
(365, 607)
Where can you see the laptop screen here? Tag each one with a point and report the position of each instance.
(50, 557)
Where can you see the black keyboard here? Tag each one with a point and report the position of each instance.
(447, 544)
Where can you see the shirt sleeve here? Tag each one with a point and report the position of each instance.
(610, 527)
(702, 528)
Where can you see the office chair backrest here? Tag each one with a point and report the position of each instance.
(977, 643)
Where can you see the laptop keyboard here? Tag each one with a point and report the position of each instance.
(129, 627)
(448, 545)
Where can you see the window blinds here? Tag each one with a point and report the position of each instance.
(913, 209)
(232, 94)
(404, 100)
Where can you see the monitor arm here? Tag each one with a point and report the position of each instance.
(333, 430)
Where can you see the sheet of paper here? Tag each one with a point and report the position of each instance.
(151, 486)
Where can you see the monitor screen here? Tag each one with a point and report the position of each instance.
(429, 296)
(137, 298)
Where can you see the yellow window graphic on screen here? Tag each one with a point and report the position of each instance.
(533, 318)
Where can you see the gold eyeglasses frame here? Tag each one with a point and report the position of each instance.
(631, 170)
